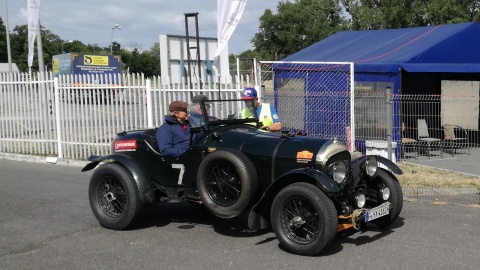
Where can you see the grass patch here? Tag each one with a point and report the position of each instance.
(420, 176)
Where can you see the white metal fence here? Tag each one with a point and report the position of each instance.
(78, 116)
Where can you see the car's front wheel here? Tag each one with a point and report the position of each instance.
(304, 219)
(114, 197)
(385, 179)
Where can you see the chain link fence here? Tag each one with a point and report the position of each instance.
(313, 98)
(316, 98)
(423, 125)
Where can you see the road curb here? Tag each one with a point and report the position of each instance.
(44, 159)
(441, 169)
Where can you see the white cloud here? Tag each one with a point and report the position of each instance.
(91, 21)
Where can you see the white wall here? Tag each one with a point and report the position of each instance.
(174, 57)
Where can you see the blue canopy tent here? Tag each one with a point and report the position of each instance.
(383, 54)
(412, 60)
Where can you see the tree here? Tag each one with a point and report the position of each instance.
(154, 59)
(146, 62)
(300, 23)
(116, 47)
(19, 44)
(295, 26)
(245, 62)
(52, 45)
(19, 47)
(473, 8)
(3, 43)
(388, 14)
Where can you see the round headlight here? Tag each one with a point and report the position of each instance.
(385, 193)
(360, 200)
(339, 172)
(371, 165)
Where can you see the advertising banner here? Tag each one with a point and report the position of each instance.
(229, 13)
(84, 64)
(33, 17)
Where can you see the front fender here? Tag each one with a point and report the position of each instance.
(140, 175)
(259, 217)
(358, 164)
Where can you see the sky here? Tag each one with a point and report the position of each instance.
(142, 21)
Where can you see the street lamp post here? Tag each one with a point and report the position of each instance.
(117, 26)
(68, 41)
(7, 28)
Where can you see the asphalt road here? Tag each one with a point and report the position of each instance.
(46, 223)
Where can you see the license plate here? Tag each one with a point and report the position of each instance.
(377, 212)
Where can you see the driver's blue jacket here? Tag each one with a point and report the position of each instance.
(173, 137)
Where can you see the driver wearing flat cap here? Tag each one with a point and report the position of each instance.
(173, 136)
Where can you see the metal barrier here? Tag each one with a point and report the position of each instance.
(315, 98)
(74, 117)
(82, 114)
(423, 125)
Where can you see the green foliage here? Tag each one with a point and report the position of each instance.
(295, 25)
(246, 60)
(19, 47)
(146, 62)
(299, 23)
(388, 14)
(3, 43)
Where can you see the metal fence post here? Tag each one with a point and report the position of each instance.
(389, 121)
(57, 118)
(148, 84)
(352, 108)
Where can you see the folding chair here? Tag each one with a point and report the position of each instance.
(455, 137)
(408, 143)
(424, 136)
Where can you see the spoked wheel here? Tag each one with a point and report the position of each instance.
(227, 182)
(304, 219)
(300, 221)
(223, 184)
(114, 196)
(111, 197)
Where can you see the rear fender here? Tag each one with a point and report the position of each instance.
(140, 175)
(259, 217)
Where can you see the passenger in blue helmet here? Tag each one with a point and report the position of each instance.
(265, 111)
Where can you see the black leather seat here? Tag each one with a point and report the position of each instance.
(150, 140)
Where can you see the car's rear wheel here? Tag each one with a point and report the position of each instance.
(227, 182)
(114, 197)
(304, 219)
(396, 198)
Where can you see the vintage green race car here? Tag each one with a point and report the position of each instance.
(306, 189)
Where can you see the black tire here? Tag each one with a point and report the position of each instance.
(227, 182)
(396, 198)
(114, 196)
(304, 219)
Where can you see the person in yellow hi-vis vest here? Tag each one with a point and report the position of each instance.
(265, 111)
